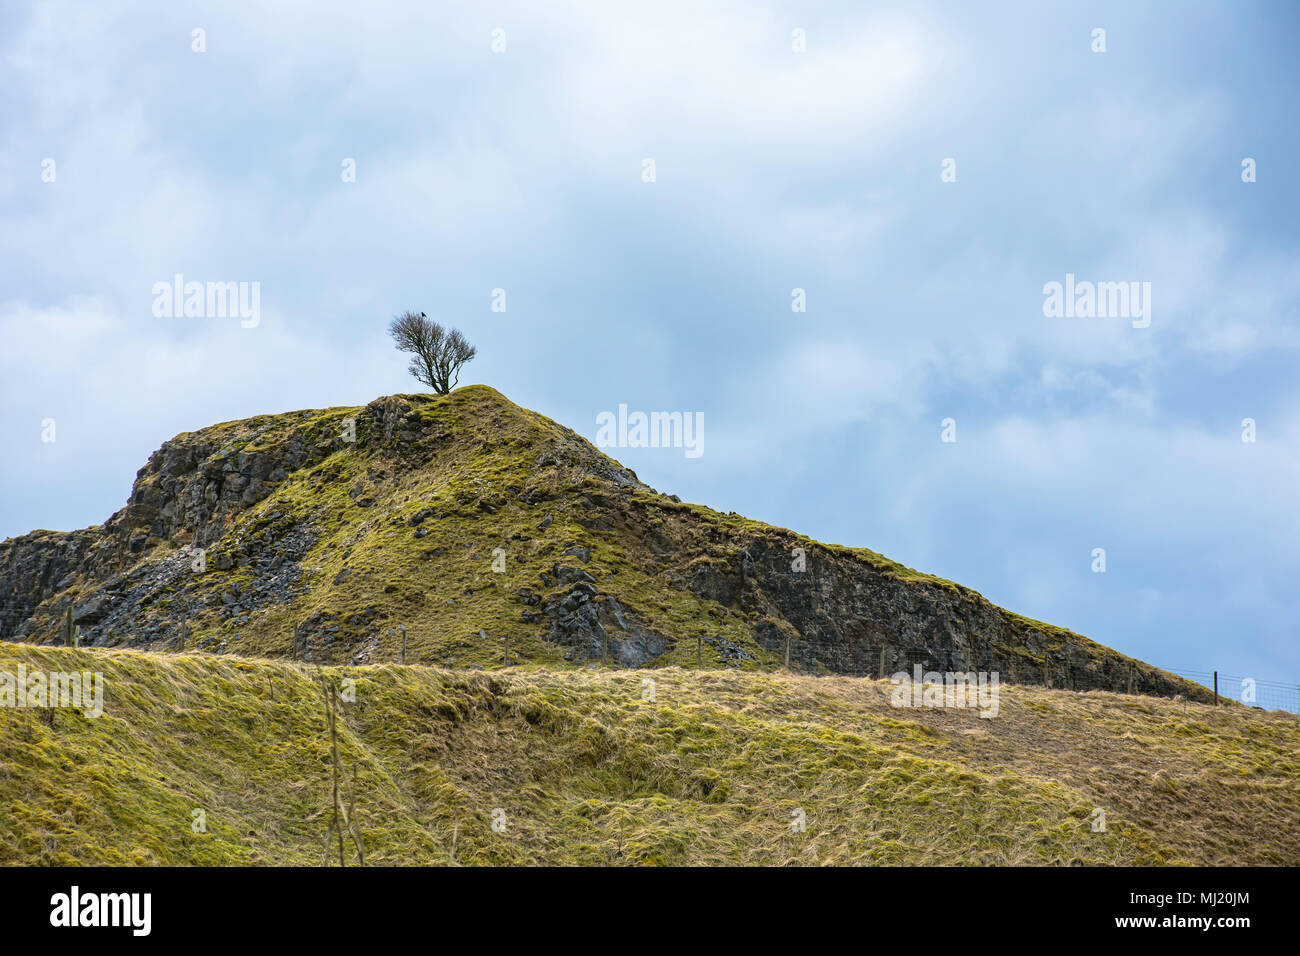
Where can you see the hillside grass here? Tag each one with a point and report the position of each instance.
(586, 770)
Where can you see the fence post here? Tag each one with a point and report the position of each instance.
(1216, 688)
(787, 652)
(506, 658)
(880, 674)
(68, 624)
(402, 628)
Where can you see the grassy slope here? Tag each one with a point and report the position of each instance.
(589, 772)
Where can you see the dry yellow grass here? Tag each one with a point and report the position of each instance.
(579, 767)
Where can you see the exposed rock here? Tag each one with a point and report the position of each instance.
(36, 566)
(567, 575)
(92, 611)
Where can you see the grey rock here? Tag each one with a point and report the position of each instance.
(567, 575)
(91, 611)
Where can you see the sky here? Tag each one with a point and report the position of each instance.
(649, 185)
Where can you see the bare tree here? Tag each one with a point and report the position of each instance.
(436, 353)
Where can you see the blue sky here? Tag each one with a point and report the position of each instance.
(775, 170)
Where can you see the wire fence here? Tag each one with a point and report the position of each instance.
(1073, 670)
(1251, 691)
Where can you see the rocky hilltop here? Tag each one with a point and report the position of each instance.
(465, 531)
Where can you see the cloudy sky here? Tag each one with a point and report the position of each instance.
(523, 169)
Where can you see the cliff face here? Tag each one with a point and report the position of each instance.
(852, 617)
(34, 567)
(470, 532)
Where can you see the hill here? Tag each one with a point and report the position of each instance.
(451, 524)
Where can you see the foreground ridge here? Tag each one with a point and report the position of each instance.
(535, 766)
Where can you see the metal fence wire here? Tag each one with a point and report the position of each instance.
(1251, 691)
